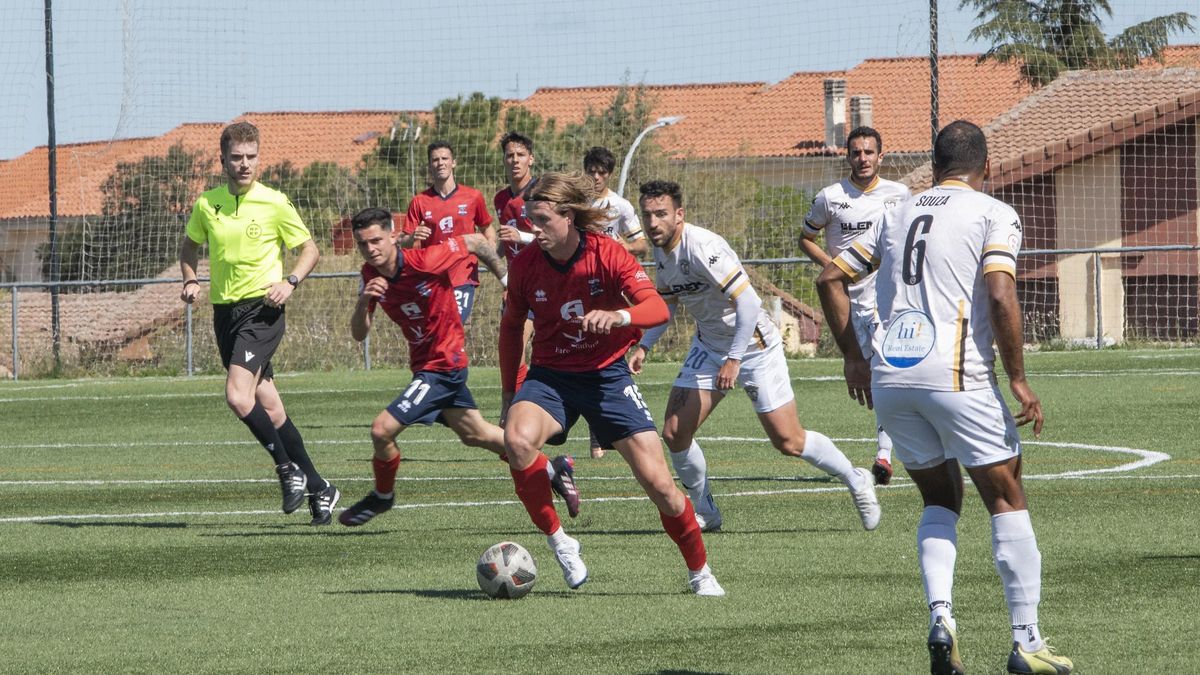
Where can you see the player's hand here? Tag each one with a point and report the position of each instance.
(510, 234)
(421, 233)
(637, 357)
(600, 321)
(189, 292)
(277, 293)
(727, 375)
(1031, 407)
(375, 288)
(858, 381)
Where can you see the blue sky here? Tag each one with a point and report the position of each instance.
(129, 68)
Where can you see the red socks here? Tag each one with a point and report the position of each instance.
(685, 532)
(385, 474)
(533, 489)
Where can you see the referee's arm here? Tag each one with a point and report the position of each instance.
(279, 292)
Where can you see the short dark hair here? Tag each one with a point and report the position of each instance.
(238, 132)
(436, 145)
(658, 188)
(371, 216)
(960, 148)
(865, 132)
(599, 157)
(516, 137)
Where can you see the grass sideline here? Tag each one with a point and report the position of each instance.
(214, 579)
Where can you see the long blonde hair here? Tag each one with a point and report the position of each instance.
(571, 193)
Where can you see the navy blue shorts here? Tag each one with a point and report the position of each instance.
(465, 297)
(608, 399)
(429, 394)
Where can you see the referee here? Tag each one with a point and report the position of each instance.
(246, 225)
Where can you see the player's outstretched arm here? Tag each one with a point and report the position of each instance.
(485, 249)
(1007, 326)
(835, 301)
(648, 310)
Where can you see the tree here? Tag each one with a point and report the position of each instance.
(145, 208)
(1049, 36)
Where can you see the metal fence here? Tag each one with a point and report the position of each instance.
(139, 326)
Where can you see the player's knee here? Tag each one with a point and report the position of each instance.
(517, 445)
(239, 403)
(792, 447)
(676, 440)
(381, 434)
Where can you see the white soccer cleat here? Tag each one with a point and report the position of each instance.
(708, 516)
(567, 555)
(865, 500)
(703, 583)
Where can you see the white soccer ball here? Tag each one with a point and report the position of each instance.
(506, 571)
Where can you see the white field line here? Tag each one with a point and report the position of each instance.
(1145, 458)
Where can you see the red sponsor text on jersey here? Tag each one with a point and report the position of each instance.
(458, 213)
(601, 275)
(420, 299)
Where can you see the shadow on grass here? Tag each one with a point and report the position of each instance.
(467, 594)
(303, 531)
(1167, 558)
(73, 524)
(686, 672)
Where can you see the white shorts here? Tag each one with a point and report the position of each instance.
(929, 427)
(763, 375)
(864, 327)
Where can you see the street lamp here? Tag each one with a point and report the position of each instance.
(661, 122)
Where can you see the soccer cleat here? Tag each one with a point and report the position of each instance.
(865, 500)
(564, 483)
(943, 650)
(293, 483)
(320, 504)
(567, 555)
(365, 509)
(1043, 660)
(708, 516)
(882, 469)
(704, 584)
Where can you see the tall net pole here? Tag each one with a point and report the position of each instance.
(52, 162)
(933, 73)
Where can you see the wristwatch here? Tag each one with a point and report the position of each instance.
(293, 280)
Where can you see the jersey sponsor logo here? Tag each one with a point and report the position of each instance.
(249, 356)
(860, 226)
(446, 224)
(594, 287)
(689, 287)
(411, 310)
(253, 230)
(909, 339)
(452, 244)
(571, 309)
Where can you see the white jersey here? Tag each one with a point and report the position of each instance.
(932, 252)
(703, 274)
(844, 211)
(623, 223)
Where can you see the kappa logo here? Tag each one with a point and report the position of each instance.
(539, 295)
(712, 259)
(840, 205)
(249, 356)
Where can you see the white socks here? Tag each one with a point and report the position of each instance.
(937, 551)
(557, 538)
(1019, 563)
(823, 454)
(884, 443)
(692, 470)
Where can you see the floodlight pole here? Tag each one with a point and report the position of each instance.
(661, 122)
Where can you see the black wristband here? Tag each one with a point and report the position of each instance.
(189, 282)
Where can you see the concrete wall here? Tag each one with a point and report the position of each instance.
(1088, 198)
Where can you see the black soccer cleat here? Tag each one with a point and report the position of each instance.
(943, 650)
(320, 504)
(365, 509)
(882, 470)
(293, 482)
(564, 483)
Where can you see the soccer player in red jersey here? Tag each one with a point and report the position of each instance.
(415, 289)
(510, 209)
(576, 283)
(448, 209)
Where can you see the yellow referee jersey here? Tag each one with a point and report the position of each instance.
(246, 235)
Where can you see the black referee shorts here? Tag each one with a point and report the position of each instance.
(248, 333)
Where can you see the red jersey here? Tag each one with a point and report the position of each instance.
(420, 299)
(460, 212)
(510, 210)
(600, 275)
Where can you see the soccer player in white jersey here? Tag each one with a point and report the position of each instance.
(844, 211)
(735, 343)
(622, 224)
(945, 290)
